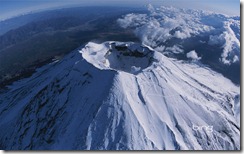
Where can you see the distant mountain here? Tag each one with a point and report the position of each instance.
(121, 96)
(52, 34)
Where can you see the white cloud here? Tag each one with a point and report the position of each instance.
(163, 24)
(151, 8)
(229, 42)
(182, 35)
(216, 39)
(235, 59)
(160, 48)
(193, 55)
(231, 46)
(175, 49)
(132, 20)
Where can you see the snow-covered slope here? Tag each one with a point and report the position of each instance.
(121, 96)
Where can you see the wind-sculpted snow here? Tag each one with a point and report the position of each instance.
(84, 102)
(168, 24)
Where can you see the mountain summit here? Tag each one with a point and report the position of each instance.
(121, 96)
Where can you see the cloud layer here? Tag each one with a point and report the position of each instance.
(193, 55)
(166, 24)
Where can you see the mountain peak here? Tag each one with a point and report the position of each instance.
(119, 56)
(105, 102)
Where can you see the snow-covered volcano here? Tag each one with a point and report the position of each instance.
(121, 96)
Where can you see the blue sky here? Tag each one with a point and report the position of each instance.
(9, 8)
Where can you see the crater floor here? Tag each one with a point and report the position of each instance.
(128, 57)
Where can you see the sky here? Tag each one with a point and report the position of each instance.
(10, 8)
